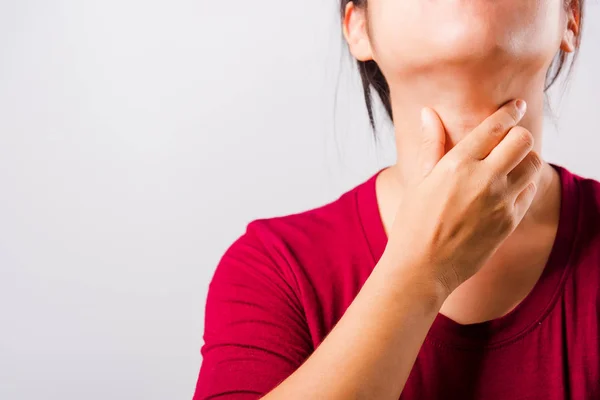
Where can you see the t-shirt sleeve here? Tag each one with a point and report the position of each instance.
(255, 332)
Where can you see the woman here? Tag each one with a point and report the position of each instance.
(469, 269)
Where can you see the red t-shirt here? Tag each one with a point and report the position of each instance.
(282, 286)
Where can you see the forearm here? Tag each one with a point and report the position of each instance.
(371, 350)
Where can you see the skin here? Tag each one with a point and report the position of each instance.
(467, 156)
(464, 59)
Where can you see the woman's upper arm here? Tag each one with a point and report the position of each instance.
(255, 332)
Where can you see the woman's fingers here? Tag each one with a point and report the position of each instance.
(483, 139)
(523, 200)
(510, 152)
(525, 173)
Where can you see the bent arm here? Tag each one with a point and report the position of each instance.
(370, 352)
(257, 341)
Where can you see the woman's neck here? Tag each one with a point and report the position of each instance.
(462, 102)
(463, 97)
(463, 105)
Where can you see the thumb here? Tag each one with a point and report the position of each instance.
(433, 141)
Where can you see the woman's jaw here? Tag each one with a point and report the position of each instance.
(463, 98)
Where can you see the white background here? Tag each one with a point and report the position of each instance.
(137, 139)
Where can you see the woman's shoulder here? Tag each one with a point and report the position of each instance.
(322, 238)
(587, 189)
(315, 227)
(584, 196)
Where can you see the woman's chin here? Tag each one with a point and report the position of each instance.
(472, 56)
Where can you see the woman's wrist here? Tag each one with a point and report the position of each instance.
(416, 277)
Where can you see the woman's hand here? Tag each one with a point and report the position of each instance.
(456, 213)
(451, 219)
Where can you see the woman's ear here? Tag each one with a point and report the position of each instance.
(355, 32)
(571, 35)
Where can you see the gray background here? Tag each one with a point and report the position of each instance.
(137, 139)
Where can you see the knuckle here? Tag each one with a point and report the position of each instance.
(497, 128)
(524, 136)
(529, 191)
(521, 136)
(497, 189)
(535, 161)
(530, 187)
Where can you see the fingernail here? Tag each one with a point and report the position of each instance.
(521, 106)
